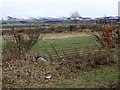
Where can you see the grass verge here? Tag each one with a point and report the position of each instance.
(92, 79)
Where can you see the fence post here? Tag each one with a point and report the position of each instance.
(55, 51)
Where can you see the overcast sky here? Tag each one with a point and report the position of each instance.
(46, 8)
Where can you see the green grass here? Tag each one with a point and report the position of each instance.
(65, 44)
(92, 79)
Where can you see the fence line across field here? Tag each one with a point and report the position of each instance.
(73, 52)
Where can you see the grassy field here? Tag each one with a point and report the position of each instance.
(82, 42)
(62, 41)
(103, 77)
(94, 78)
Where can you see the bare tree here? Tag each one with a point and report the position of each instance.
(75, 16)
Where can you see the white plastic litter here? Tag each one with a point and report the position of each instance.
(48, 76)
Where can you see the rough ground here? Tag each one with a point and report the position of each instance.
(64, 35)
(46, 36)
(0, 76)
(55, 35)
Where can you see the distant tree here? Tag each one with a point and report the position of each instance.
(75, 16)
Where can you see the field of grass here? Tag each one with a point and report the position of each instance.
(82, 43)
(103, 77)
(93, 79)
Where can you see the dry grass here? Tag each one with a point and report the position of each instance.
(64, 35)
(53, 35)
